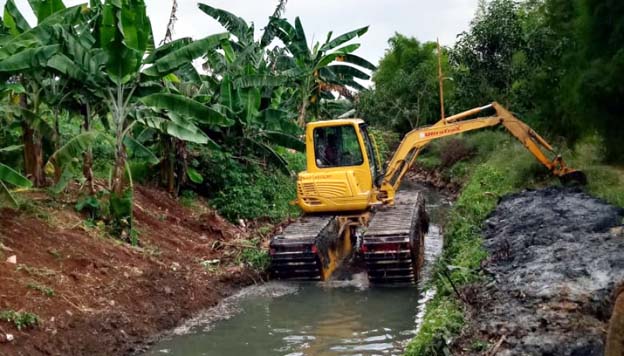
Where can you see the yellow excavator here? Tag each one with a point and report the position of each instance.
(351, 203)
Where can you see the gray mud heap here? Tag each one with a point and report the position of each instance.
(556, 257)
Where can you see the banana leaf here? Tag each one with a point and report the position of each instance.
(184, 106)
(344, 38)
(234, 24)
(9, 175)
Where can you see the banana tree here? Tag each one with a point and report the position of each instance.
(24, 51)
(249, 90)
(323, 68)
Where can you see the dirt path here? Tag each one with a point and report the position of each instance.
(97, 296)
(556, 258)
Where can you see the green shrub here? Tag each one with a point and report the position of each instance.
(256, 258)
(254, 193)
(604, 181)
(386, 141)
(444, 318)
(142, 171)
(21, 320)
(188, 198)
(91, 205)
(248, 190)
(103, 158)
(47, 291)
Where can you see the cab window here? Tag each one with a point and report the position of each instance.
(337, 146)
(372, 154)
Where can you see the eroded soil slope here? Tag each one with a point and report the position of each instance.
(98, 296)
(556, 258)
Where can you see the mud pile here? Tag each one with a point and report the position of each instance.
(556, 258)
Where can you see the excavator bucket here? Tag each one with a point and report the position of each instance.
(573, 178)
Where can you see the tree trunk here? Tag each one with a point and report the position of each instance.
(167, 172)
(33, 152)
(119, 169)
(181, 164)
(301, 120)
(87, 157)
(57, 146)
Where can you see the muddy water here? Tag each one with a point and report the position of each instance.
(333, 318)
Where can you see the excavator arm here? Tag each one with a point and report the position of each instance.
(413, 143)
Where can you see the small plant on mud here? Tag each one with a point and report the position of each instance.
(55, 253)
(479, 345)
(134, 237)
(31, 207)
(21, 320)
(35, 271)
(91, 205)
(255, 257)
(188, 198)
(47, 291)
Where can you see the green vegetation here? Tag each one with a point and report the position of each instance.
(21, 320)
(558, 64)
(604, 181)
(85, 94)
(36, 271)
(47, 291)
(406, 86)
(256, 258)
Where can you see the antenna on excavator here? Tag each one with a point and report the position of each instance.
(440, 80)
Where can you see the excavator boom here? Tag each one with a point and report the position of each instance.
(416, 140)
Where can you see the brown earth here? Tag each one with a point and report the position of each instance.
(109, 297)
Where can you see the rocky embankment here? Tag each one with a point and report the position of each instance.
(556, 262)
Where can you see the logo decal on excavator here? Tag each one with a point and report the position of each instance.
(436, 133)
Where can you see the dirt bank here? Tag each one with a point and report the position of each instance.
(97, 296)
(435, 178)
(555, 260)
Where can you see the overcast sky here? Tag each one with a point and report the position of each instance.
(424, 20)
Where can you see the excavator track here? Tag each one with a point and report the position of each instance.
(393, 244)
(294, 254)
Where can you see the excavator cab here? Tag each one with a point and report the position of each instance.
(342, 167)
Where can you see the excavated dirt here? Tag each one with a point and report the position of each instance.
(108, 297)
(556, 259)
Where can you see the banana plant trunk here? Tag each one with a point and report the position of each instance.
(301, 120)
(117, 186)
(33, 151)
(174, 165)
(181, 153)
(87, 157)
(57, 146)
(166, 164)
